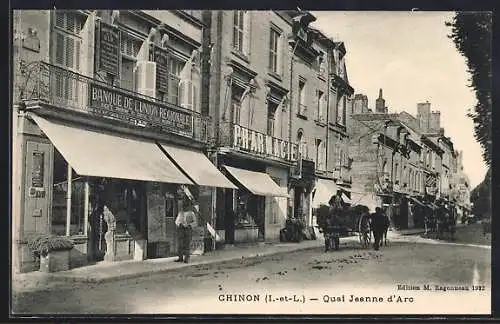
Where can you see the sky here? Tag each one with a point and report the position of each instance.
(409, 56)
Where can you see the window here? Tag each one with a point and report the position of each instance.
(320, 155)
(236, 96)
(66, 44)
(321, 106)
(301, 139)
(271, 114)
(67, 39)
(341, 108)
(241, 31)
(302, 98)
(61, 188)
(275, 51)
(396, 173)
(322, 63)
(175, 67)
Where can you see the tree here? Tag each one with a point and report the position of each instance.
(481, 196)
(472, 35)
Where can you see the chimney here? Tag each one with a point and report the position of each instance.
(380, 104)
(435, 122)
(423, 116)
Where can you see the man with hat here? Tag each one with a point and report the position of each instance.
(185, 221)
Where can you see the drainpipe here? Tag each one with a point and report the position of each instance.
(329, 71)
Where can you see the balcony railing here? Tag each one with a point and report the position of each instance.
(52, 86)
(243, 139)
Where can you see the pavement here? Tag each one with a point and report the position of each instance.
(105, 272)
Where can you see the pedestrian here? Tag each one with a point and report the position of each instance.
(185, 221)
(379, 224)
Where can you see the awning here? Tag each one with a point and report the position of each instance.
(365, 198)
(258, 183)
(415, 200)
(198, 167)
(96, 154)
(324, 191)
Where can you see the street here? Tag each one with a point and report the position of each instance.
(305, 275)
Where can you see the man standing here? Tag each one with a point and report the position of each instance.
(185, 221)
(379, 224)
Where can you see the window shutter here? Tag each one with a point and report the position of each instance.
(60, 19)
(77, 54)
(70, 52)
(247, 23)
(281, 56)
(186, 94)
(59, 46)
(195, 97)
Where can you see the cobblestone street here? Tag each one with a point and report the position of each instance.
(310, 273)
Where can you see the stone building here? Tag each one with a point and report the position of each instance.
(110, 132)
(280, 92)
(394, 165)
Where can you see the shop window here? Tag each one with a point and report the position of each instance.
(243, 216)
(61, 198)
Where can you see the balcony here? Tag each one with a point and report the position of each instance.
(74, 95)
(238, 138)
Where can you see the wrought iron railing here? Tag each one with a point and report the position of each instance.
(51, 85)
(226, 138)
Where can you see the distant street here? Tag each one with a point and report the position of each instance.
(198, 289)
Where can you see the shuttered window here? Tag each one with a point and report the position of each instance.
(130, 45)
(66, 44)
(67, 38)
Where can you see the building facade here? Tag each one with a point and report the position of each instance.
(280, 93)
(108, 120)
(394, 165)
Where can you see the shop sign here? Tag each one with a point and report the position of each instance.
(160, 56)
(119, 105)
(254, 142)
(108, 53)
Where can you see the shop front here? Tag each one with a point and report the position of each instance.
(112, 186)
(115, 195)
(260, 167)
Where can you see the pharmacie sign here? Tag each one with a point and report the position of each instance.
(254, 142)
(119, 105)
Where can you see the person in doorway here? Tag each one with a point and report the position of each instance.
(185, 221)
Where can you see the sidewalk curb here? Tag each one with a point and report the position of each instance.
(54, 281)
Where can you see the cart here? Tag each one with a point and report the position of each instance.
(352, 221)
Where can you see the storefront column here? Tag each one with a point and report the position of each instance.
(86, 209)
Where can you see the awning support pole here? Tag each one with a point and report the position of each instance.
(68, 201)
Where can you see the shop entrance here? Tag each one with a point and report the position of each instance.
(125, 200)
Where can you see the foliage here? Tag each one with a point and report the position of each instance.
(481, 197)
(472, 35)
(43, 244)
